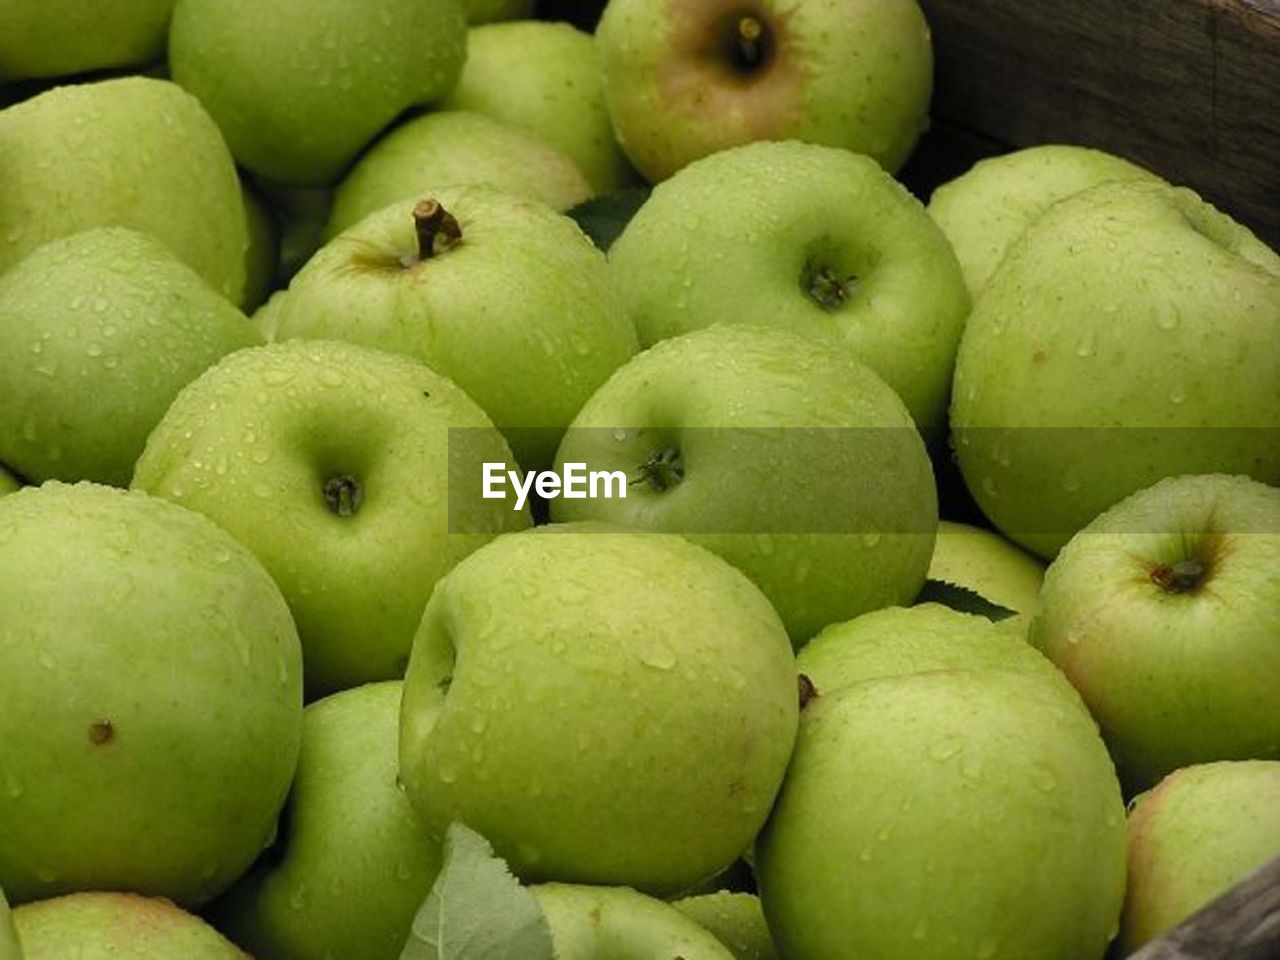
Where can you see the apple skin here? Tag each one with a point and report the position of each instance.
(60, 37)
(153, 697)
(262, 255)
(132, 152)
(1174, 677)
(352, 863)
(1201, 831)
(256, 440)
(449, 148)
(8, 483)
(299, 87)
(945, 814)
(545, 78)
(800, 467)
(738, 237)
(519, 312)
(615, 922)
(110, 926)
(848, 73)
(489, 11)
(984, 210)
(9, 947)
(505, 727)
(897, 641)
(990, 566)
(1131, 334)
(98, 333)
(736, 920)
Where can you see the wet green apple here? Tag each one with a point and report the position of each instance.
(945, 814)
(108, 926)
(592, 922)
(152, 684)
(454, 147)
(1164, 612)
(778, 451)
(9, 947)
(132, 152)
(544, 78)
(352, 863)
(352, 474)
(684, 80)
(603, 705)
(299, 87)
(505, 296)
(737, 921)
(984, 210)
(806, 238)
(98, 333)
(60, 37)
(1131, 334)
(1201, 831)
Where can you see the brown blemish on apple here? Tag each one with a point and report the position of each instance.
(1040, 355)
(101, 733)
(735, 62)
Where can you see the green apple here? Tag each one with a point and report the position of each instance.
(544, 78)
(778, 451)
(983, 211)
(263, 253)
(897, 641)
(111, 926)
(991, 567)
(9, 947)
(1131, 334)
(487, 11)
(152, 684)
(352, 862)
(685, 80)
(1164, 613)
(55, 38)
(8, 482)
(449, 148)
(803, 237)
(506, 297)
(1200, 832)
(945, 814)
(133, 152)
(299, 87)
(604, 706)
(266, 319)
(98, 333)
(588, 923)
(352, 474)
(736, 920)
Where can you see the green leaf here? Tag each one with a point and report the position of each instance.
(604, 218)
(963, 599)
(477, 910)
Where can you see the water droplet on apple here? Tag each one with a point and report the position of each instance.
(660, 658)
(11, 785)
(447, 772)
(866, 855)
(1071, 483)
(298, 898)
(1178, 394)
(971, 765)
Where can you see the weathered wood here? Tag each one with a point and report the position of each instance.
(1242, 924)
(1189, 88)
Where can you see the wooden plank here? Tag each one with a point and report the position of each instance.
(1242, 924)
(1189, 88)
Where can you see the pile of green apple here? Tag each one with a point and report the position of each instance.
(278, 278)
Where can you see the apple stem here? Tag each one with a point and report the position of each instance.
(436, 227)
(1181, 577)
(343, 494)
(750, 48)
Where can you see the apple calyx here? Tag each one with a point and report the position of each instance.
(343, 494)
(825, 287)
(437, 229)
(663, 470)
(1181, 577)
(807, 691)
